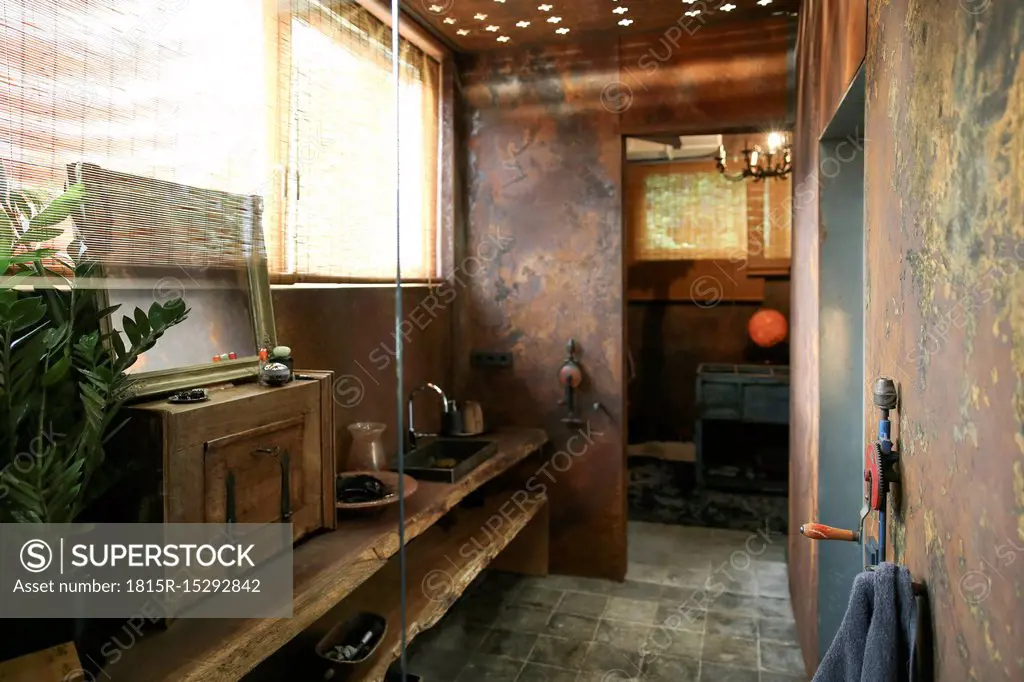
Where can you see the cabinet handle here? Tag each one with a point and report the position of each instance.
(286, 488)
(230, 485)
(284, 460)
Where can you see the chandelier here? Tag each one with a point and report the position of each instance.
(773, 162)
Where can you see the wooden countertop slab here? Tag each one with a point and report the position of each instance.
(327, 569)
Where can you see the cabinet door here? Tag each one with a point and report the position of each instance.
(719, 400)
(766, 403)
(256, 476)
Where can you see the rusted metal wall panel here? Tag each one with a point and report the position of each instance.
(945, 315)
(830, 48)
(544, 227)
(352, 331)
(803, 413)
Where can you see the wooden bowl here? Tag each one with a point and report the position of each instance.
(388, 478)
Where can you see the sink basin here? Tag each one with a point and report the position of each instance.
(448, 459)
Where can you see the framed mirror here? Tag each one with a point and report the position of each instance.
(156, 241)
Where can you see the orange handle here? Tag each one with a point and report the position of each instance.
(819, 531)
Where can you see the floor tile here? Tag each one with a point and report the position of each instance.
(674, 617)
(674, 593)
(517, 645)
(622, 635)
(774, 586)
(777, 677)
(475, 612)
(634, 589)
(523, 619)
(615, 663)
(481, 668)
(713, 672)
(582, 604)
(729, 625)
(740, 653)
(632, 610)
(735, 604)
(647, 573)
(534, 672)
(607, 676)
(771, 607)
(781, 658)
(739, 581)
(671, 669)
(777, 630)
(436, 665)
(674, 643)
(558, 651)
(535, 595)
(498, 585)
(452, 637)
(571, 627)
(686, 577)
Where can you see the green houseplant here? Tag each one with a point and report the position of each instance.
(62, 377)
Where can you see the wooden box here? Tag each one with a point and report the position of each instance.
(250, 454)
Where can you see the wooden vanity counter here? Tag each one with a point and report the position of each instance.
(331, 567)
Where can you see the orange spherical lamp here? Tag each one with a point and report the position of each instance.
(767, 327)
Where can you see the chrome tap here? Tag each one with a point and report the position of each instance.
(445, 405)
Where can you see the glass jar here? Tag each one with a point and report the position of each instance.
(367, 450)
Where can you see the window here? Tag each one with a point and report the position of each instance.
(340, 210)
(688, 211)
(151, 89)
(290, 101)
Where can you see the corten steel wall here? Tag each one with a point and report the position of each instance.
(945, 316)
(351, 331)
(830, 48)
(542, 165)
(544, 173)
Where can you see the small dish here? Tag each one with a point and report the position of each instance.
(389, 479)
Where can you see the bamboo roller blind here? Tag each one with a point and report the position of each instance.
(688, 211)
(341, 202)
(291, 102)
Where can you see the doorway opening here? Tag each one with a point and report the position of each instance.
(707, 298)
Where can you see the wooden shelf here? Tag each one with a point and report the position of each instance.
(441, 564)
(328, 568)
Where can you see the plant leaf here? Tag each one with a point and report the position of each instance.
(27, 311)
(142, 322)
(54, 337)
(130, 330)
(156, 315)
(56, 211)
(57, 372)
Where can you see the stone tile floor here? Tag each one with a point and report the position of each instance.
(698, 604)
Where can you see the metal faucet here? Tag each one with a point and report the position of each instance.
(413, 435)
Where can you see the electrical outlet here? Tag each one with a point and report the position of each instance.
(486, 358)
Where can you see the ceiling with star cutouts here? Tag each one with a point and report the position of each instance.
(483, 25)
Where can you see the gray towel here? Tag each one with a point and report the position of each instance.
(875, 642)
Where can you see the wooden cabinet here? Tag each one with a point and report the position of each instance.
(250, 454)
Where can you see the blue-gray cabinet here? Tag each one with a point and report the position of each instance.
(742, 393)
